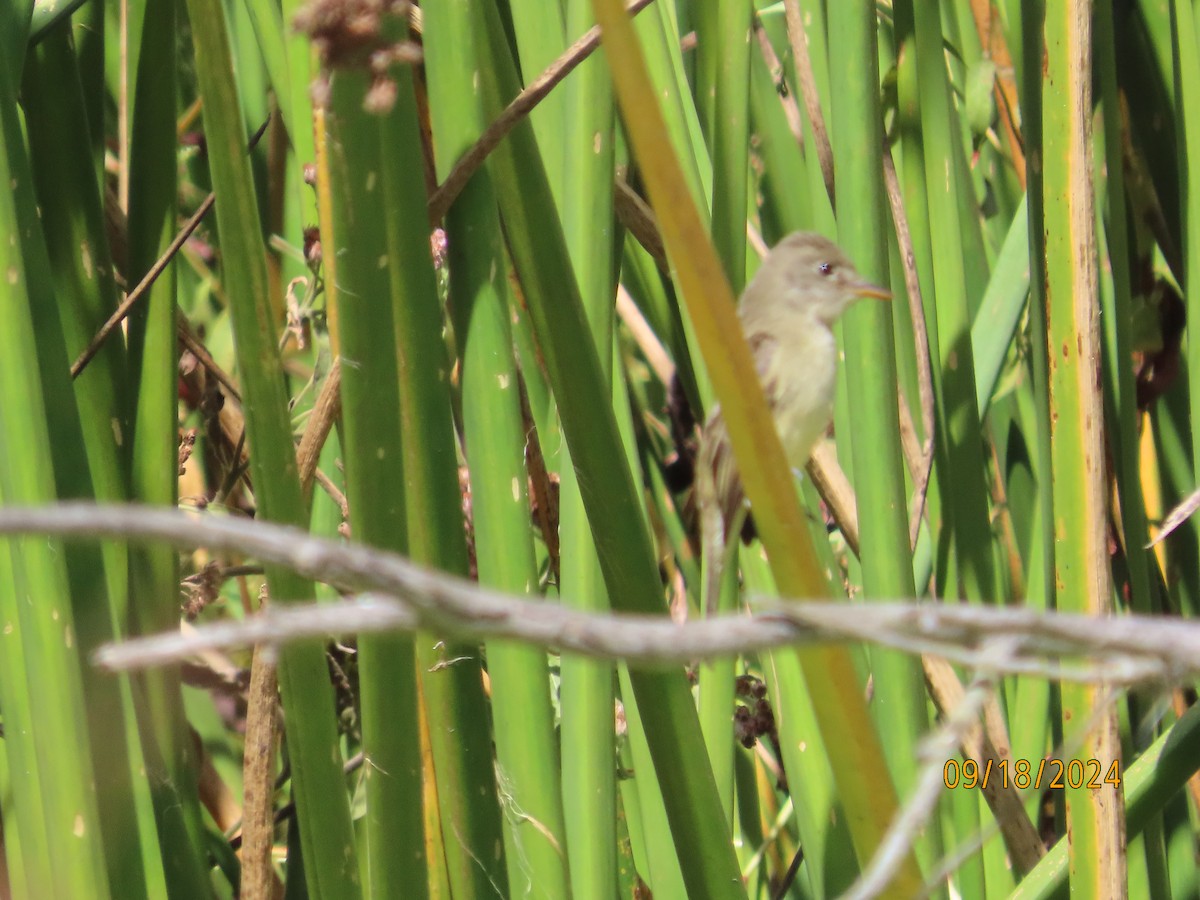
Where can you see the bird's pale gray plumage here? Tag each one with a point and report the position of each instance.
(803, 286)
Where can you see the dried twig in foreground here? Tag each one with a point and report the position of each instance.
(1114, 650)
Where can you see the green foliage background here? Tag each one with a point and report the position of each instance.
(1042, 158)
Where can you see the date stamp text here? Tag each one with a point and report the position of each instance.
(1023, 774)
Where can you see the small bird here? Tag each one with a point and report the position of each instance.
(787, 311)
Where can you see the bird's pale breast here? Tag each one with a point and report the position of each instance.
(800, 380)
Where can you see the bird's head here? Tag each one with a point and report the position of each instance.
(806, 274)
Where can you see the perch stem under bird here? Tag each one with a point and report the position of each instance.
(787, 312)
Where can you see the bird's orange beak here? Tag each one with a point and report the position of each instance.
(868, 290)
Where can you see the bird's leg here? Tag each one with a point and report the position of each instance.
(719, 542)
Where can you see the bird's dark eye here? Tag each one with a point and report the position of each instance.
(825, 268)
